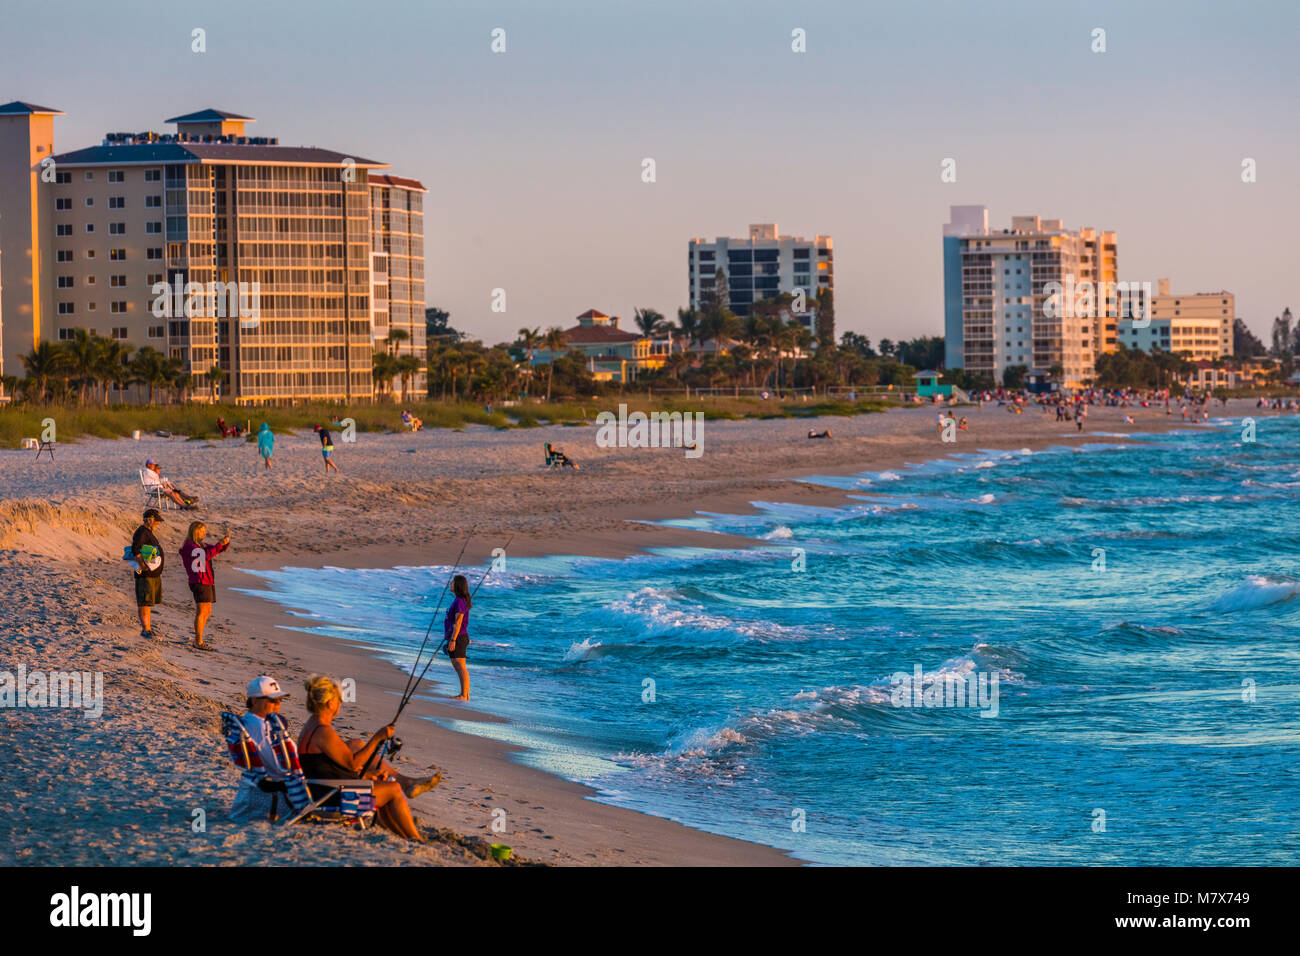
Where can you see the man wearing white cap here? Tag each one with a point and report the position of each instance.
(264, 696)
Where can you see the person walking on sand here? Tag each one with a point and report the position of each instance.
(197, 557)
(265, 443)
(148, 556)
(455, 628)
(326, 447)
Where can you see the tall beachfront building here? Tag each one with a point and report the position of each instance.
(397, 265)
(1007, 285)
(1199, 325)
(762, 266)
(280, 240)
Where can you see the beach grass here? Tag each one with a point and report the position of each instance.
(198, 420)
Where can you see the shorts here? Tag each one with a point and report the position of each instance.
(203, 593)
(148, 590)
(459, 652)
(325, 451)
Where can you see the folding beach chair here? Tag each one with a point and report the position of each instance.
(555, 460)
(344, 801)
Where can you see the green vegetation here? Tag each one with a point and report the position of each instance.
(198, 421)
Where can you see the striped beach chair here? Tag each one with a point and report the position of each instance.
(346, 801)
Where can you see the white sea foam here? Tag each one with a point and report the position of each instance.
(581, 652)
(1258, 591)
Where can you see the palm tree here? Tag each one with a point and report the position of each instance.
(554, 343)
(82, 360)
(688, 320)
(395, 339)
(408, 366)
(151, 368)
(43, 363)
(215, 378)
(113, 356)
(649, 322)
(382, 370)
(530, 339)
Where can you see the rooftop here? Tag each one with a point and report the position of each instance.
(19, 108)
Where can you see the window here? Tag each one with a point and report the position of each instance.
(117, 255)
(63, 203)
(63, 179)
(117, 282)
(117, 229)
(117, 307)
(116, 176)
(90, 227)
(153, 228)
(153, 175)
(66, 308)
(156, 331)
(154, 278)
(90, 253)
(63, 255)
(65, 282)
(91, 307)
(63, 229)
(90, 200)
(90, 177)
(90, 280)
(152, 202)
(116, 202)
(152, 253)
(119, 332)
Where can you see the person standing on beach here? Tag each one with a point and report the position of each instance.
(265, 443)
(148, 571)
(326, 447)
(198, 568)
(455, 628)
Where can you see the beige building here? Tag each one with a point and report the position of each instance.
(397, 264)
(1199, 325)
(1020, 295)
(267, 252)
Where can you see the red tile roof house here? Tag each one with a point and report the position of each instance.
(612, 353)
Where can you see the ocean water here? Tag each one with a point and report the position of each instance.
(1137, 606)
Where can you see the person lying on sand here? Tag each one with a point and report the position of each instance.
(324, 755)
(825, 434)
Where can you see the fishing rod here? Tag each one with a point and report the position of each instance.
(434, 656)
(383, 747)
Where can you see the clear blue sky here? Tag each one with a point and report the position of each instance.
(533, 157)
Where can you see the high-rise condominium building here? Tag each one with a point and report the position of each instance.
(1199, 325)
(1018, 291)
(761, 267)
(397, 265)
(272, 254)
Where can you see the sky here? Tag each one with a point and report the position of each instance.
(533, 157)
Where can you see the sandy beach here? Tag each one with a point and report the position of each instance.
(132, 786)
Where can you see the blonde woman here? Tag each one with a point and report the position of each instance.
(197, 558)
(325, 755)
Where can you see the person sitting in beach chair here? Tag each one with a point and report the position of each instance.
(158, 488)
(229, 431)
(557, 459)
(410, 421)
(326, 756)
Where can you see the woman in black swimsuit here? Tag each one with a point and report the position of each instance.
(325, 755)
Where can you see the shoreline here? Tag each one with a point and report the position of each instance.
(550, 819)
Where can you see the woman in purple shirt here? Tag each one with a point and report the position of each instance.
(456, 629)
